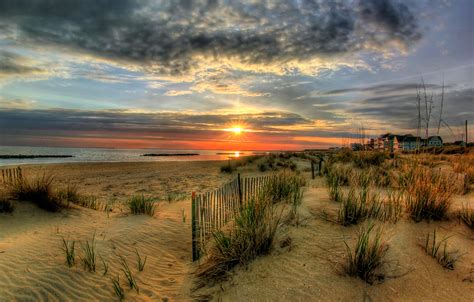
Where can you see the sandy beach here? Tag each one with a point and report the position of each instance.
(33, 265)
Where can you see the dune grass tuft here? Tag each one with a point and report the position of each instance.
(250, 235)
(69, 251)
(359, 204)
(142, 205)
(444, 257)
(467, 216)
(105, 265)
(366, 259)
(39, 191)
(140, 262)
(118, 289)
(128, 274)
(89, 258)
(428, 193)
(286, 187)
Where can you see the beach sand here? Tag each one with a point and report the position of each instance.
(32, 263)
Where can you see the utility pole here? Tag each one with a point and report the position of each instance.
(466, 132)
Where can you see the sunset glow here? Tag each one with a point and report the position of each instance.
(171, 75)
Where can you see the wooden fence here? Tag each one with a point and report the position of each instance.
(11, 175)
(212, 210)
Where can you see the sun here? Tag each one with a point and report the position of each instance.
(236, 130)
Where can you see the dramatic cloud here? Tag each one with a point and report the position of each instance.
(172, 38)
(12, 64)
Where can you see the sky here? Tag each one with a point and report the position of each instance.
(184, 74)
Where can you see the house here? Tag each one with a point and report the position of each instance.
(394, 142)
(389, 142)
(411, 143)
(434, 141)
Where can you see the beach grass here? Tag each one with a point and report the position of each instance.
(432, 247)
(361, 203)
(105, 265)
(250, 235)
(132, 283)
(140, 261)
(139, 204)
(39, 191)
(285, 186)
(89, 257)
(428, 193)
(366, 258)
(466, 214)
(118, 289)
(69, 252)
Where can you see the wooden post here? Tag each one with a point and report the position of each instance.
(320, 167)
(240, 189)
(193, 226)
(312, 169)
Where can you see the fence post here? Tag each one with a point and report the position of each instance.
(320, 167)
(193, 226)
(312, 169)
(240, 189)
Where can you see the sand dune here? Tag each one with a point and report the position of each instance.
(33, 268)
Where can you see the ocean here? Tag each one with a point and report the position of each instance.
(109, 155)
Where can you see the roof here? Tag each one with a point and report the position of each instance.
(435, 137)
(411, 139)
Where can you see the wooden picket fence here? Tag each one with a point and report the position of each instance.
(212, 210)
(11, 175)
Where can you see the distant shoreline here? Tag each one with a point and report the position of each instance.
(21, 156)
(171, 154)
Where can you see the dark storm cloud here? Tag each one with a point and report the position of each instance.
(11, 64)
(168, 34)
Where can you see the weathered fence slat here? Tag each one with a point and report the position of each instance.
(210, 211)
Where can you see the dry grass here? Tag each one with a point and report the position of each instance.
(366, 259)
(428, 193)
(466, 214)
(444, 257)
(464, 164)
(359, 204)
(39, 191)
(285, 187)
